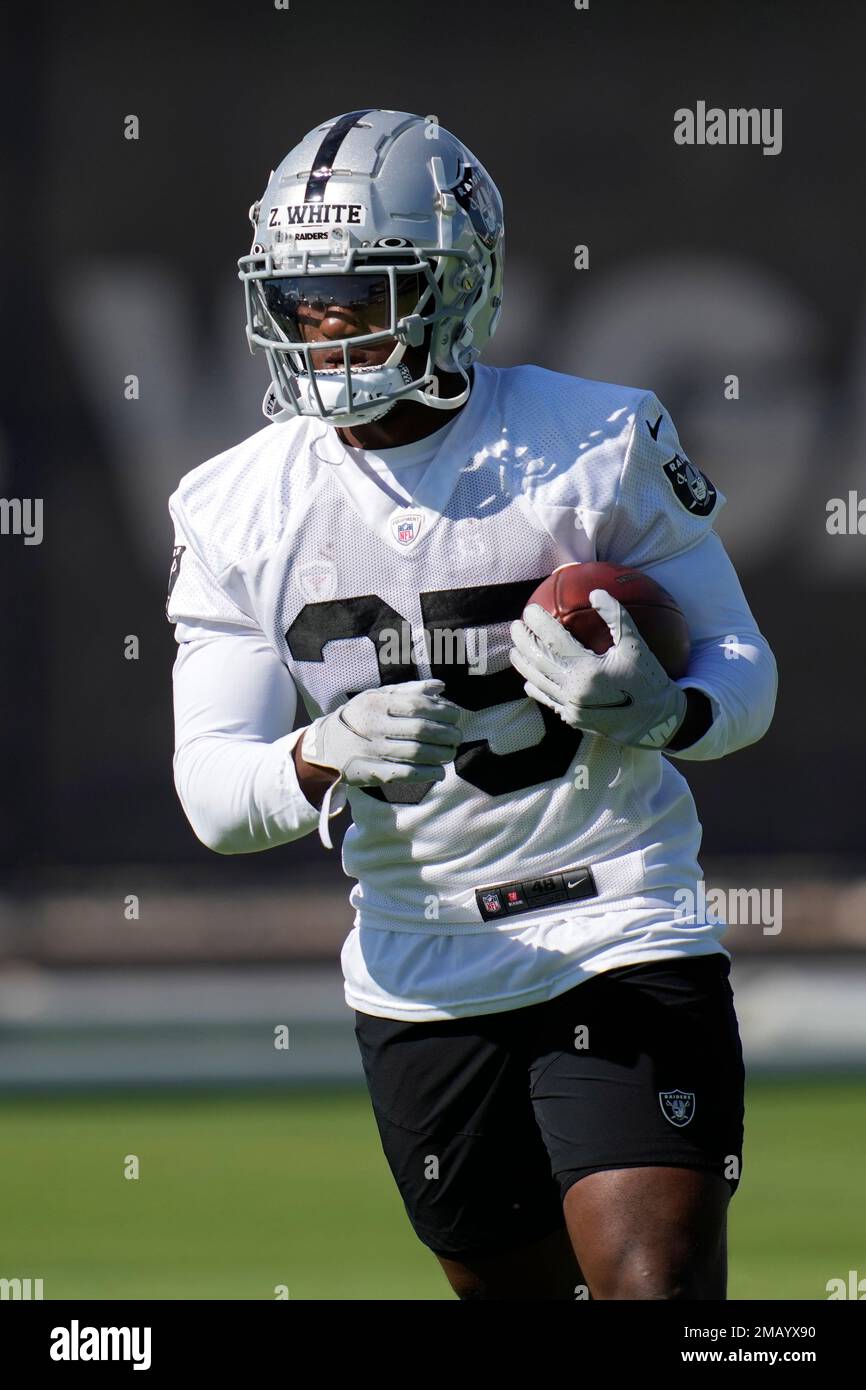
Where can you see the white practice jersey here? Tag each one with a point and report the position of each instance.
(545, 855)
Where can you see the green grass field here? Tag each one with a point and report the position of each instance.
(238, 1194)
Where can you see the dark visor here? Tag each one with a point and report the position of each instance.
(299, 304)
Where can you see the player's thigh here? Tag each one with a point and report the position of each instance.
(452, 1106)
(650, 1233)
(638, 1069)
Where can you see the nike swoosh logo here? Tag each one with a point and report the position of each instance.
(613, 704)
(574, 883)
(654, 429)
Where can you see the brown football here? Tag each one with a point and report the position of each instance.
(656, 615)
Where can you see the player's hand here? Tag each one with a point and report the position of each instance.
(396, 733)
(624, 695)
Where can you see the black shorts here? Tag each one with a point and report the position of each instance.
(487, 1121)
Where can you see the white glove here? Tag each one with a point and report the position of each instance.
(624, 695)
(402, 732)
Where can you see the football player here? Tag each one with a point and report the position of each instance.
(546, 1027)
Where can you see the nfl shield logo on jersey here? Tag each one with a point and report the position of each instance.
(677, 1106)
(405, 527)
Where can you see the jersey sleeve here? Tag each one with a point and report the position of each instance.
(201, 594)
(731, 661)
(234, 770)
(234, 709)
(663, 504)
(661, 520)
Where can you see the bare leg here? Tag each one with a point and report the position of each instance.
(547, 1269)
(650, 1233)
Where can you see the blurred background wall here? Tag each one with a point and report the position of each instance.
(119, 258)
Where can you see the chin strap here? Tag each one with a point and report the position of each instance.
(431, 397)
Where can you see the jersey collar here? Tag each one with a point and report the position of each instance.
(435, 488)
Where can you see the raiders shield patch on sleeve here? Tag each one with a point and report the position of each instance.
(176, 556)
(693, 490)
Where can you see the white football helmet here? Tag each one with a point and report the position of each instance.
(391, 215)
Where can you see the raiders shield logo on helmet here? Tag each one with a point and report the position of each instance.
(479, 199)
(692, 488)
(677, 1106)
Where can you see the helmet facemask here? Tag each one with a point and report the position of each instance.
(385, 296)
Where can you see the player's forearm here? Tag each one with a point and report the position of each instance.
(241, 796)
(738, 679)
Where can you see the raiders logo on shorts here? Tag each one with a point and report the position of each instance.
(677, 1106)
(692, 488)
